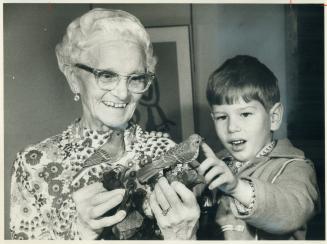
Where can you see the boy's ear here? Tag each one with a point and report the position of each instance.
(276, 116)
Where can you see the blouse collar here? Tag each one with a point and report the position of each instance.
(85, 136)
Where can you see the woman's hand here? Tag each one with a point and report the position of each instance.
(91, 203)
(216, 173)
(176, 210)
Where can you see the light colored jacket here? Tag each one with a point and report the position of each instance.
(286, 197)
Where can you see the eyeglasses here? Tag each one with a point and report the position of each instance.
(108, 80)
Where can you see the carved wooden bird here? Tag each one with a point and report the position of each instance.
(185, 153)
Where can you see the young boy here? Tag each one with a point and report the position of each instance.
(269, 188)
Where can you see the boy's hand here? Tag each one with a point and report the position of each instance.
(216, 173)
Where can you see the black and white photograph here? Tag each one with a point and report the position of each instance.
(163, 121)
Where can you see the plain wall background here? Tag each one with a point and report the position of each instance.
(37, 99)
(224, 31)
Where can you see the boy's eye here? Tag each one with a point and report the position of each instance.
(246, 114)
(221, 117)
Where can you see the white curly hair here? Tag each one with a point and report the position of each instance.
(98, 26)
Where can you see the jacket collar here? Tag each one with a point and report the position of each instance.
(285, 149)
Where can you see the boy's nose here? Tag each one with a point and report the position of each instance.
(233, 125)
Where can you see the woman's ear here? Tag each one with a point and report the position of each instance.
(276, 116)
(72, 80)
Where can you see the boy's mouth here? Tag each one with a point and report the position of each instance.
(237, 142)
(237, 145)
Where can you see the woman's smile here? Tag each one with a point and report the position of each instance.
(114, 105)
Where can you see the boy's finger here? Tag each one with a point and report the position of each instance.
(213, 173)
(217, 182)
(207, 150)
(207, 164)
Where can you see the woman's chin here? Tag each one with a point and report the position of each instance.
(105, 118)
(106, 124)
(116, 124)
(117, 117)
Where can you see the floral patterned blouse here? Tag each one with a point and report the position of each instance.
(42, 178)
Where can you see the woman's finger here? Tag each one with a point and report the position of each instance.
(169, 193)
(154, 204)
(157, 211)
(162, 201)
(107, 221)
(184, 193)
(106, 196)
(198, 189)
(99, 210)
(97, 186)
(87, 191)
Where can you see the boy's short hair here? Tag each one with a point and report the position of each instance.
(243, 76)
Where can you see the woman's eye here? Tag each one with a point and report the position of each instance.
(246, 114)
(108, 75)
(138, 78)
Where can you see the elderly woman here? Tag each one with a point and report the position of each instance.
(56, 191)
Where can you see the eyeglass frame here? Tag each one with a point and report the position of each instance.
(97, 73)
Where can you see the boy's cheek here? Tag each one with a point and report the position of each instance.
(219, 132)
(217, 127)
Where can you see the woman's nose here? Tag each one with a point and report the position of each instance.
(121, 90)
(233, 125)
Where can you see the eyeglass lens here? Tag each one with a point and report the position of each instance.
(135, 83)
(108, 80)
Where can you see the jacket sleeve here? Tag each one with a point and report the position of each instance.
(26, 218)
(288, 203)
